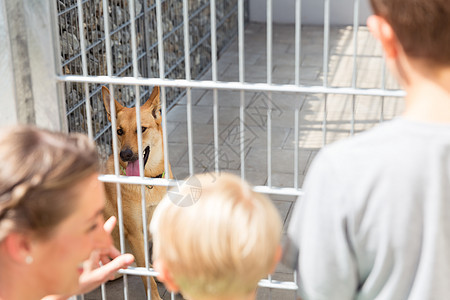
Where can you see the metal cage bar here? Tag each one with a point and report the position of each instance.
(298, 35)
(85, 70)
(221, 85)
(214, 78)
(269, 81)
(139, 138)
(355, 55)
(187, 61)
(241, 80)
(115, 143)
(163, 90)
(326, 49)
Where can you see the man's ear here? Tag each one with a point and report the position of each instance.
(165, 276)
(18, 247)
(107, 100)
(154, 104)
(383, 32)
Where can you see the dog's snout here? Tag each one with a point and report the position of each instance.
(126, 154)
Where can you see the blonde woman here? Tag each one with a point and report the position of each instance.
(52, 235)
(215, 239)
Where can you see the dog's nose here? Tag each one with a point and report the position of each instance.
(126, 154)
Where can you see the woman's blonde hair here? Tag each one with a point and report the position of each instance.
(38, 176)
(223, 244)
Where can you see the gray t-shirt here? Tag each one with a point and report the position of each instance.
(374, 222)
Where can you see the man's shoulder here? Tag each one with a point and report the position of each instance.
(374, 141)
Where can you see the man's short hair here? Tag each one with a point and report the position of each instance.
(421, 26)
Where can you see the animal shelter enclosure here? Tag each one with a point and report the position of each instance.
(255, 99)
(146, 50)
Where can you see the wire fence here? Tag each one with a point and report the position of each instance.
(147, 51)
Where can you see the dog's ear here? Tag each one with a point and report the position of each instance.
(106, 101)
(154, 104)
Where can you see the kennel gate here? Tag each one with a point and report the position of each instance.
(139, 74)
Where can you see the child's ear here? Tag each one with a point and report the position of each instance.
(383, 32)
(165, 276)
(276, 258)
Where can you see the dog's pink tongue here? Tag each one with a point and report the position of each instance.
(133, 168)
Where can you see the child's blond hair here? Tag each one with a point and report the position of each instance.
(223, 244)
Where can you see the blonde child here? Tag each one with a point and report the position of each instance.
(220, 246)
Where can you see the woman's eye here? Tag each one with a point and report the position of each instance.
(120, 131)
(144, 129)
(92, 228)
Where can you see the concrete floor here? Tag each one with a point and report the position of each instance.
(367, 112)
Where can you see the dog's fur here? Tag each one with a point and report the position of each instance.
(152, 141)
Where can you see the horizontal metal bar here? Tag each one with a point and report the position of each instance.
(138, 180)
(73, 7)
(99, 88)
(172, 182)
(208, 84)
(139, 271)
(102, 131)
(264, 189)
(275, 284)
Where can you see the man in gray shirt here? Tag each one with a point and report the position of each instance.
(374, 221)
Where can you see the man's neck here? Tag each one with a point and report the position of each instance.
(428, 97)
(250, 296)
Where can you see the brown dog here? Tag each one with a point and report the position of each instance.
(153, 155)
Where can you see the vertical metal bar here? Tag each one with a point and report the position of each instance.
(147, 31)
(324, 121)
(114, 138)
(326, 37)
(139, 136)
(214, 78)
(298, 32)
(269, 41)
(295, 281)
(326, 41)
(163, 89)
(103, 290)
(355, 53)
(270, 289)
(296, 145)
(383, 86)
(85, 70)
(187, 67)
(269, 81)
(241, 79)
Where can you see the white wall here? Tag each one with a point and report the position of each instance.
(283, 11)
(8, 114)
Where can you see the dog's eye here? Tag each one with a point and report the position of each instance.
(144, 129)
(119, 131)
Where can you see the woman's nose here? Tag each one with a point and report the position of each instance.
(102, 238)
